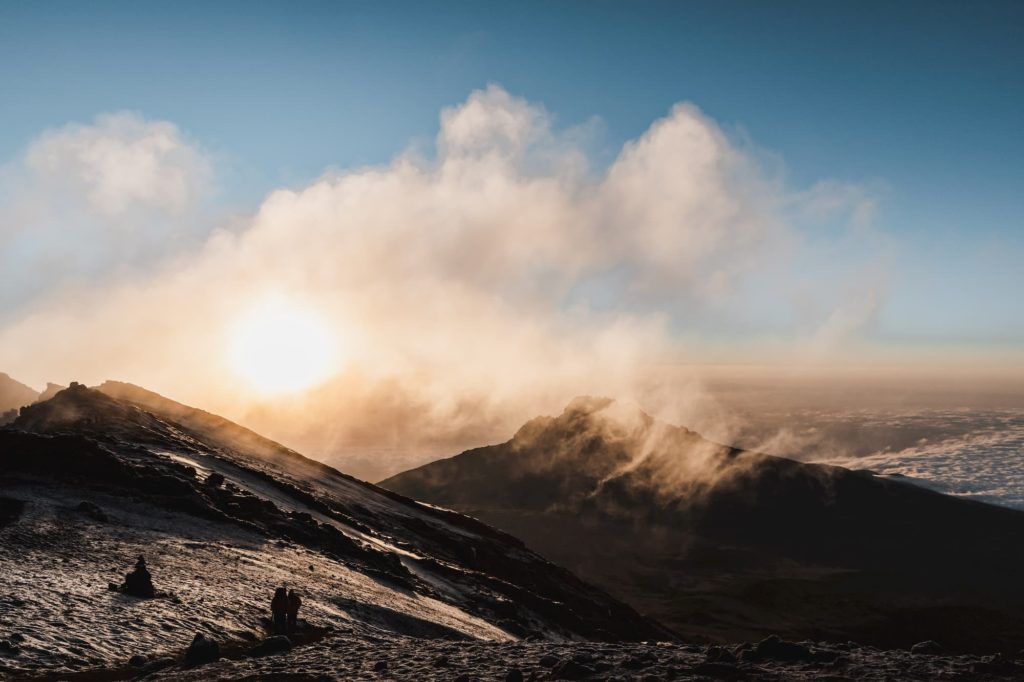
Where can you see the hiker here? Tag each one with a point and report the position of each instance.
(279, 607)
(294, 602)
(139, 583)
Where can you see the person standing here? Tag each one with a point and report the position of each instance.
(279, 609)
(294, 602)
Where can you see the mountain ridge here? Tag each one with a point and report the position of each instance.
(723, 544)
(91, 481)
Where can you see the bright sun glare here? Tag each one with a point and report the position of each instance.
(281, 346)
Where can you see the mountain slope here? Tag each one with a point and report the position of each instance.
(13, 394)
(728, 545)
(223, 516)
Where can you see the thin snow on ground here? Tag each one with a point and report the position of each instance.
(55, 605)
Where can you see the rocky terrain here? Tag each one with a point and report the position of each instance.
(378, 656)
(724, 545)
(223, 516)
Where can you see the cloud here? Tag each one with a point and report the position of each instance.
(121, 162)
(469, 290)
(85, 201)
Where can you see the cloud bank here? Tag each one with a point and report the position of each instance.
(468, 289)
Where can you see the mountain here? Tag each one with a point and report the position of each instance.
(223, 516)
(13, 394)
(726, 545)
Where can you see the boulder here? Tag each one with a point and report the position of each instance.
(277, 644)
(549, 661)
(93, 511)
(571, 670)
(202, 650)
(775, 649)
(926, 648)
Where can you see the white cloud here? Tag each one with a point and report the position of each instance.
(121, 162)
(454, 283)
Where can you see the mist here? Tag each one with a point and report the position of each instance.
(469, 285)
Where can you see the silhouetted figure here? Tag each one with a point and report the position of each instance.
(294, 602)
(279, 608)
(139, 583)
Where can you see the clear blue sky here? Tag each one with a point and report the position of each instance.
(922, 99)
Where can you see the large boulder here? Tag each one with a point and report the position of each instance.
(202, 650)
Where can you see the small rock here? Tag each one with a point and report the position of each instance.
(93, 511)
(202, 650)
(137, 661)
(514, 675)
(380, 666)
(926, 648)
(584, 657)
(776, 649)
(997, 665)
(719, 671)
(549, 661)
(8, 649)
(571, 670)
(158, 664)
(214, 480)
(718, 654)
(441, 661)
(278, 644)
(635, 663)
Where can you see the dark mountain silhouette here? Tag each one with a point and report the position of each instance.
(727, 545)
(90, 482)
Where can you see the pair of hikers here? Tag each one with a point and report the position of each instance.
(285, 607)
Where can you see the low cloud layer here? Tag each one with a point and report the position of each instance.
(468, 290)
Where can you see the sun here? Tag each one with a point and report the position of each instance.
(281, 346)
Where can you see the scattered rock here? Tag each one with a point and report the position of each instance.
(549, 661)
(278, 644)
(137, 661)
(719, 671)
(719, 654)
(514, 675)
(776, 649)
(571, 670)
(636, 663)
(464, 677)
(926, 648)
(8, 649)
(997, 665)
(202, 650)
(93, 511)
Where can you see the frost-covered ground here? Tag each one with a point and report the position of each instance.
(56, 563)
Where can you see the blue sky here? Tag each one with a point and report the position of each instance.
(920, 101)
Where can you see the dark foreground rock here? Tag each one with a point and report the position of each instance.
(345, 657)
(202, 650)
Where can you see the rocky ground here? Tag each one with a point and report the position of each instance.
(385, 656)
